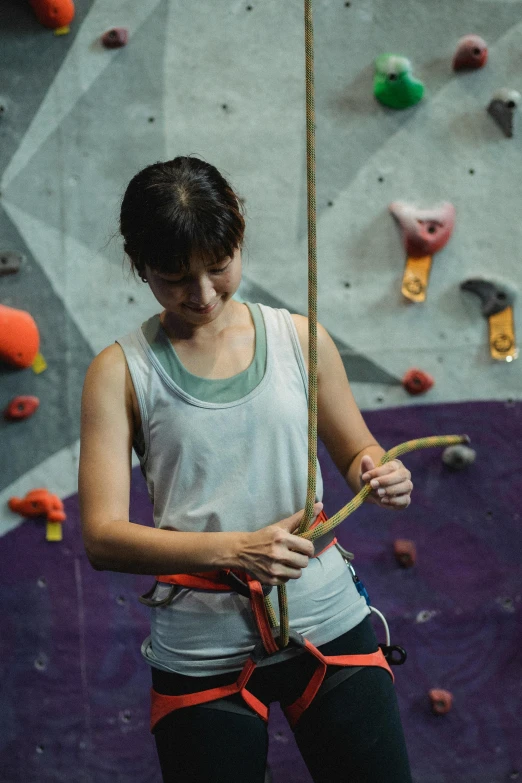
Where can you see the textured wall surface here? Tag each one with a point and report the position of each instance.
(225, 80)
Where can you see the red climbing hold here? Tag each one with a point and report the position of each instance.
(115, 37)
(417, 382)
(424, 231)
(19, 338)
(405, 552)
(441, 701)
(472, 52)
(21, 407)
(37, 503)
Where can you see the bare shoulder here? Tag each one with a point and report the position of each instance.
(108, 365)
(108, 385)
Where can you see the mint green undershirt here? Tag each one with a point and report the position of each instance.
(209, 389)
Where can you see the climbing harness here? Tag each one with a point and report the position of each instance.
(275, 638)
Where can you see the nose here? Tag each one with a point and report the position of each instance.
(201, 291)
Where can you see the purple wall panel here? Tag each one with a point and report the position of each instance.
(74, 689)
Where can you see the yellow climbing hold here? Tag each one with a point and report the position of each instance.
(54, 531)
(65, 30)
(39, 364)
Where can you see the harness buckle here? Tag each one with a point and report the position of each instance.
(389, 651)
(240, 586)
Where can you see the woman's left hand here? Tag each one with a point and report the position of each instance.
(391, 483)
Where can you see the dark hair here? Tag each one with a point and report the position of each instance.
(172, 210)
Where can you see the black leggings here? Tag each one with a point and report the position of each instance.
(351, 734)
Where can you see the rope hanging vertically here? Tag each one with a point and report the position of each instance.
(413, 445)
(312, 303)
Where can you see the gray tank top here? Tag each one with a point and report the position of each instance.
(232, 465)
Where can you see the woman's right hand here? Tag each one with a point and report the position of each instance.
(273, 555)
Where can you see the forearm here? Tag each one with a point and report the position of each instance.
(135, 549)
(352, 475)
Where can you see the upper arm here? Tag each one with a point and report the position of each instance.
(107, 425)
(340, 424)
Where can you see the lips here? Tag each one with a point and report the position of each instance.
(202, 310)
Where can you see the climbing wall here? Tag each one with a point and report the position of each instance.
(226, 81)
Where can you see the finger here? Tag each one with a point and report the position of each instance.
(294, 521)
(367, 464)
(301, 546)
(390, 478)
(295, 560)
(283, 574)
(401, 488)
(397, 502)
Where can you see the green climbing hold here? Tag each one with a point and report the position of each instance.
(394, 84)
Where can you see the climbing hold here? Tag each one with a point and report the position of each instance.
(458, 457)
(424, 233)
(41, 502)
(393, 84)
(115, 37)
(53, 13)
(405, 552)
(21, 407)
(10, 262)
(417, 381)
(472, 52)
(441, 701)
(502, 108)
(497, 307)
(19, 337)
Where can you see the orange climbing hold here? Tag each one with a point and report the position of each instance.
(38, 503)
(441, 701)
(19, 337)
(53, 13)
(21, 407)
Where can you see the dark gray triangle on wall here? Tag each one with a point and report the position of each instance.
(114, 129)
(56, 423)
(359, 368)
(31, 58)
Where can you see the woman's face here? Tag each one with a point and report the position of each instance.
(199, 295)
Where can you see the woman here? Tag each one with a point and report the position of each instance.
(212, 395)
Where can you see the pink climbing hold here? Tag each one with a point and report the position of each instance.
(115, 38)
(424, 231)
(441, 701)
(472, 52)
(417, 381)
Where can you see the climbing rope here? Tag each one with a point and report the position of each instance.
(411, 445)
